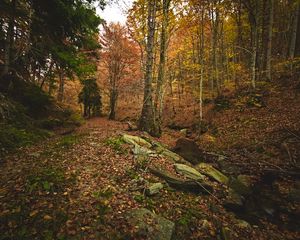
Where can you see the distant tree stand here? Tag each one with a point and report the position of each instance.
(90, 98)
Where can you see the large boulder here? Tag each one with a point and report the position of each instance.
(240, 185)
(188, 171)
(150, 225)
(234, 201)
(213, 173)
(189, 150)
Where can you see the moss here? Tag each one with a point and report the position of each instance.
(116, 144)
(12, 137)
(69, 140)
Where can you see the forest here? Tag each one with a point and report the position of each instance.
(182, 122)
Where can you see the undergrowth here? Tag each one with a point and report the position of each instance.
(12, 137)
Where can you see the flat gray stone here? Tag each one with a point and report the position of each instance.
(188, 171)
(210, 171)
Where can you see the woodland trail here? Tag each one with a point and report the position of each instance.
(79, 186)
(51, 188)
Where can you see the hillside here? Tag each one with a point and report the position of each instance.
(83, 185)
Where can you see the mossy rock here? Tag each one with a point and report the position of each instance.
(130, 139)
(240, 186)
(150, 225)
(188, 171)
(213, 173)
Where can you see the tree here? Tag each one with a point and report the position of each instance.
(43, 38)
(147, 121)
(90, 98)
(294, 30)
(119, 55)
(269, 41)
(158, 103)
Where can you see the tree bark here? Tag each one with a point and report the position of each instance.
(269, 45)
(147, 120)
(201, 67)
(9, 40)
(292, 48)
(113, 104)
(60, 95)
(158, 103)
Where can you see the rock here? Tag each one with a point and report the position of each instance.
(154, 188)
(188, 171)
(161, 150)
(245, 179)
(213, 173)
(239, 187)
(205, 225)
(139, 150)
(242, 224)
(184, 131)
(136, 140)
(226, 166)
(150, 225)
(226, 233)
(141, 153)
(189, 150)
(234, 201)
(194, 186)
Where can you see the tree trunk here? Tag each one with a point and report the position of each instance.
(297, 48)
(254, 55)
(292, 48)
(60, 95)
(113, 104)
(158, 103)
(269, 45)
(9, 39)
(201, 67)
(147, 120)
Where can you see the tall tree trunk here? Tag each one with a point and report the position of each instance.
(60, 95)
(214, 14)
(292, 48)
(201, 67)
(147, 120)
(254, 53)
(9, 38)
(297, 48)
(269, 45)
(158, 103)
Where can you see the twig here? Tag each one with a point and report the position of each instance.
(285, 146)
(208, 191)
(294, 134)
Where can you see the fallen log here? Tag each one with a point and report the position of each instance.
(183, 185)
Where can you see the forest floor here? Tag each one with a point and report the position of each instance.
(81, 185)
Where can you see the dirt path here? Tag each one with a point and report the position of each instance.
(54, 188)
(79, 186)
